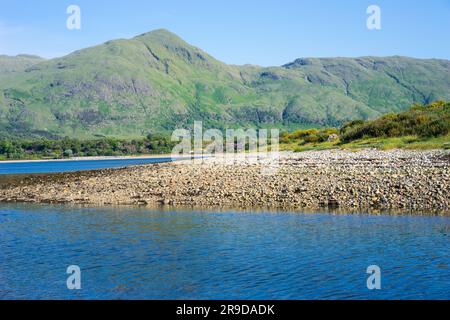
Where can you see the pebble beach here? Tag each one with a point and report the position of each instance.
(333, 179)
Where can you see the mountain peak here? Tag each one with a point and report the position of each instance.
(160, 31)
(167, 40)
(163, 35)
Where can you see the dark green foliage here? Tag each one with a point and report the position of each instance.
(428, 121)
(66, 148)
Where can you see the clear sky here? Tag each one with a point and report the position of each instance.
(260, 32)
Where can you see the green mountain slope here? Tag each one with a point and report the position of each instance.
(20, 63)
(157, 82)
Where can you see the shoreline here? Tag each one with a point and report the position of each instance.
(243, 210)
(366, 180)
(159, 156)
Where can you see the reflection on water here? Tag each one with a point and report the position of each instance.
(137, 253)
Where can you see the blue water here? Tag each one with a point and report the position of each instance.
(138, 253)
(67, 166)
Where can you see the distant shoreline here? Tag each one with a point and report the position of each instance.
(162, 156)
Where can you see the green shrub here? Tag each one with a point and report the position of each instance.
(432, 120)
(313, 138)
(68, 153)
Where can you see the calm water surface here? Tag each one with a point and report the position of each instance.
(72, 165)
(133, 253)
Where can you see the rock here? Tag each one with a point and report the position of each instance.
(334, 178)
(333, 203)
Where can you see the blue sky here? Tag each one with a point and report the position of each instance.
(246, 31)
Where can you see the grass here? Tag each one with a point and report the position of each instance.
(406, 142)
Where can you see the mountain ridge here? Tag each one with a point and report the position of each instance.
(156, 82)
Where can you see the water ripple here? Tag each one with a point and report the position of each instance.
(135, 253)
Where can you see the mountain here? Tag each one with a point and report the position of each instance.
(18, 63)
(157, 82)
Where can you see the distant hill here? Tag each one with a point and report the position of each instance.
(156, 82)
(17, 63)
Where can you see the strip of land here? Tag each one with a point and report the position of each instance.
(355, 181)
(149, 156)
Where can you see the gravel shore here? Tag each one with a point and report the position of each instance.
(363, 180)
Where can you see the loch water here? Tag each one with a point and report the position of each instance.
(56, 166)
(142, 253)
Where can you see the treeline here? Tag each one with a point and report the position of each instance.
(427, 121)
(68, 147)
